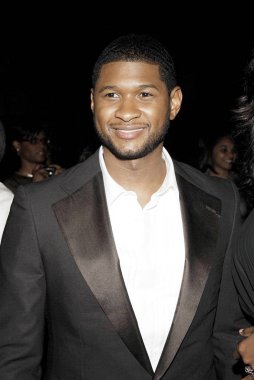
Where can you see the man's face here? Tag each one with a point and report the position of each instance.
(132, 108)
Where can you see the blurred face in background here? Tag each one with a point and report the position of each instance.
(33, 150)
(223, 155)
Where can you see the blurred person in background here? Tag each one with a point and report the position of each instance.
(30, 143)
(218, 157)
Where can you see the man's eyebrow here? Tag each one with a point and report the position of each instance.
(148, 85)
(107, 88)
(141, 87)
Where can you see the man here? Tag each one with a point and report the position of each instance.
(6, 196)
(121, 257)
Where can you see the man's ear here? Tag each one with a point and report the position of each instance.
(16, 146)
(176, 98)
(92, 100)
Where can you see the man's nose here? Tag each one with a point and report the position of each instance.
(128, 110)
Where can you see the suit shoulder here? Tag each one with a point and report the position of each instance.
(64, 184)
(213, 185)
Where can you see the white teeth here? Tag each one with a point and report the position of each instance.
(130, 130)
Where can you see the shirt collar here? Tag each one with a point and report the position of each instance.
(114, 190)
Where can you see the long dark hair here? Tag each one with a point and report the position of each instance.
(243, 134)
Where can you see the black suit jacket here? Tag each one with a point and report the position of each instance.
(59, 269)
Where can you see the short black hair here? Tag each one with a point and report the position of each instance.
(138, 48)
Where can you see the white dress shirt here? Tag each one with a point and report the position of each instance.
(150, 246)
(6, 197)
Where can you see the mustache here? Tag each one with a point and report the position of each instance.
(129, 125)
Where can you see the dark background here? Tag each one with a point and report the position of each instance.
(46, 62)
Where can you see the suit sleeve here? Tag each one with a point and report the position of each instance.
(230, 317)
(22, 295)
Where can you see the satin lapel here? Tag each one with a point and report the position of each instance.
(200, 213)
(85, 222)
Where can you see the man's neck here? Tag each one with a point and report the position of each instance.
(144, 176)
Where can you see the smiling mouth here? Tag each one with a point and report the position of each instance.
(128, 131)
(128, 134)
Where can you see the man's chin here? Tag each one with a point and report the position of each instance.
(127, 156)
(133, 152)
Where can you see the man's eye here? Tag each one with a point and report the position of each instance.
(111, 95)
(145, 94)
